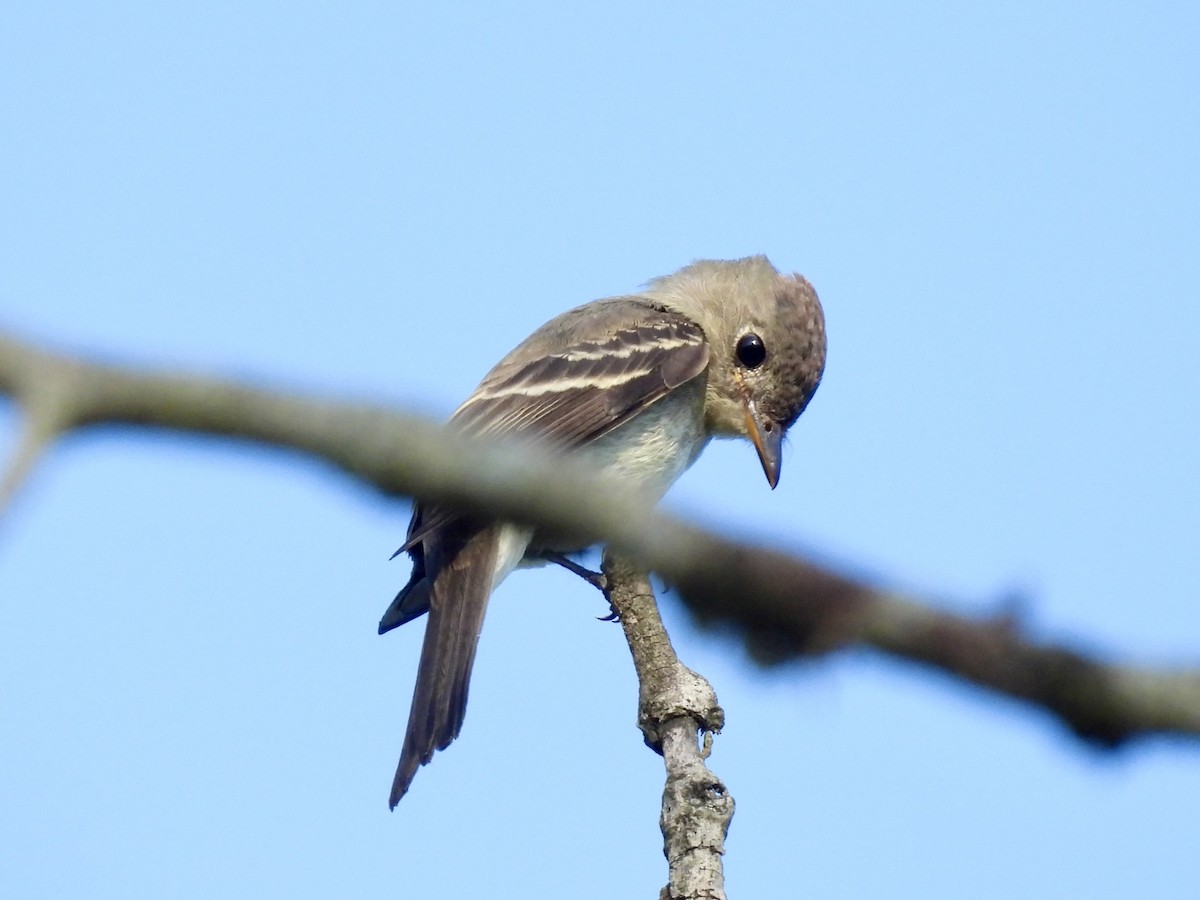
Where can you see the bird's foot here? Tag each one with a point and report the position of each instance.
(595, 579)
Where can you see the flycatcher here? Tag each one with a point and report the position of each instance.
(638, 385)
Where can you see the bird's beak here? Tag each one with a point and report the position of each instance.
(768, 441)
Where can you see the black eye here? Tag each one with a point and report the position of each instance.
(751, 351)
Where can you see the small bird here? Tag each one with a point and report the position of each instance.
(638, 385)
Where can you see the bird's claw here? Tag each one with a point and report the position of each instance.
(595, 579)
(613, 615)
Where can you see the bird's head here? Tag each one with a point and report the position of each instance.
(766, 335)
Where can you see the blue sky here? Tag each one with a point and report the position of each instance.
(1001, 212)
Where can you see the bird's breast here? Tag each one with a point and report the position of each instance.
(655, 447)
(647, 453)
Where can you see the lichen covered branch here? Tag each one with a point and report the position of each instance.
(675, 705)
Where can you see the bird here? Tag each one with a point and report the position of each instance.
(636, 385)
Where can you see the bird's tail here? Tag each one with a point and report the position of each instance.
(455, 589)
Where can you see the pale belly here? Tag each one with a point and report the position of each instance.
(655, 448)
(649, 451)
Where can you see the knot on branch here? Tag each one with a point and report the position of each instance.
(676, 692)
(696, 811)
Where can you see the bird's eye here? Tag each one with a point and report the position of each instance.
(751, 351)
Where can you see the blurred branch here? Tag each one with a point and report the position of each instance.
(783, 605)
(36, 437)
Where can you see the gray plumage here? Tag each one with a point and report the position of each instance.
(639, 384)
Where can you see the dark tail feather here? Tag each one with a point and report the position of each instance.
(411, 602)
(413, 599)
(456, 594)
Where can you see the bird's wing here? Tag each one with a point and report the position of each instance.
(584, 373)
(572, 381)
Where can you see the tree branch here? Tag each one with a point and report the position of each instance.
(785, 606)
(674, 705)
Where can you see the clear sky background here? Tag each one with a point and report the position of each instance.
(1000, 209)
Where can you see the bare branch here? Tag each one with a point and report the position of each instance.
(674, 705)
(785, 606)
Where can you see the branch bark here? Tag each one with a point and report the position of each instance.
(782, 605)
(674, 705)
